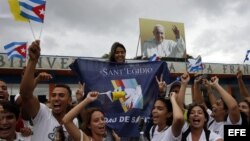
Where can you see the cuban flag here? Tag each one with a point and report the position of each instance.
(154, 58)
(247, 56)
(195, 65)
(33, 9)
(16, 49)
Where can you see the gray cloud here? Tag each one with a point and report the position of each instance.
(88, 28)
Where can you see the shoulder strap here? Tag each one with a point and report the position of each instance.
(185, 134)
(207, 134)
(210, 123)
(153, 130)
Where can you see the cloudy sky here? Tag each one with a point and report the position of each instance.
(218, 30)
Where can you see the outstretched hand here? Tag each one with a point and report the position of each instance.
(162, 84)
(176, 32)
(80, 91)
(173, 96)
(34, 50)
(185, 78)
(92, 96)
(214, 81)
(239, 74)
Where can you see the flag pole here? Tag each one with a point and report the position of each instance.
(32, 30)
(138, 45)
(185, 60)
(41, 32)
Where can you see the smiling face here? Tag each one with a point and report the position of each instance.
(117, 53)
(197, 118)
(3, 91)
(120, 54)
(160, 113)
(97, 124)
(218, 111)
(244, 107)
(159, 33)
(7, 125)
(8, 119)
(60, 100)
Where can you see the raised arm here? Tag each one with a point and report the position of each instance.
(211, 96)
(178, 118)
(197, 96)
(234, 112)
(72, 129)
(30, 102)
(181, 95)
(243, 89)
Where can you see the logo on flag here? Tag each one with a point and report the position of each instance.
(247, 56)
(127, 91)
(195, 64)
(16, 49)
(33, 9)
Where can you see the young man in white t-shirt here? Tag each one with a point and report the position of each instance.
(46, 121)
(9, 114)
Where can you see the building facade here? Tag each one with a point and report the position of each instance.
(58, 67)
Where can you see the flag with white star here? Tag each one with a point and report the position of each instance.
(33, 9)
(16, 49)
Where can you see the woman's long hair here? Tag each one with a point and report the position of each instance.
(169, 108)
(204, 111)
(87, 119)
(113, 49)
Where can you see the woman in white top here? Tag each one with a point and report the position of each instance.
(94, 124)
(197, 118)
(168, 120)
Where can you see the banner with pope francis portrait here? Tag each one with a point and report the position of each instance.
(164, 39)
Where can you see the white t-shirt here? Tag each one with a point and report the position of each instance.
(45, 125)
(167, 48)
(164, 135)
(212, 137)
(218, 127)
(19, 137)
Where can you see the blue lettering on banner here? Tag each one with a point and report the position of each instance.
(127, 91)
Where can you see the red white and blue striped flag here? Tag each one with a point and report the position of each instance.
(154, 58)
(16, 49)
(33, 9)
(195, 64)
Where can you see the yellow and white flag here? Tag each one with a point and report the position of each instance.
(15, 10)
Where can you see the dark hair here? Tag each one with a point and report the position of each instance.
(247, 102)
(169, 107)
(87, 119)
(66, 87)
(175, 85)
(10, 107)
(113, 49)
(203, 109)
